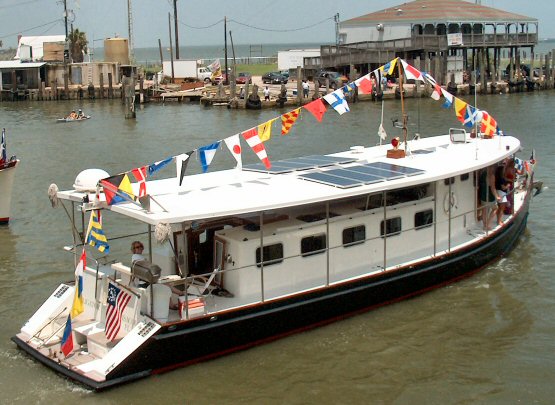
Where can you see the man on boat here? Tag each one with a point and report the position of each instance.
(80, 114)
(488, 196)
(72, 115)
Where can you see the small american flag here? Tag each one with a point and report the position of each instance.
(117, 301)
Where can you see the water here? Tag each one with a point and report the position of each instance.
(208, 53)
(488, 339)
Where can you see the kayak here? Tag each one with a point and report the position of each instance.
(67, 119)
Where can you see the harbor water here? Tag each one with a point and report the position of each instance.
(489, 339)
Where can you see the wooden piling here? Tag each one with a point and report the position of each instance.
(299, 85)
(110, 88)
(101, 91)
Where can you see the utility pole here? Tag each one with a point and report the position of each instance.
(225, 51)
(66, 57)
(171, 45)
(175, 30)
(65, 16)
(336, 19)
(130, 32)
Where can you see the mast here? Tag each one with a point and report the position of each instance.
(405, 130)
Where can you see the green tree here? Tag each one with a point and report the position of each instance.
(77, 45)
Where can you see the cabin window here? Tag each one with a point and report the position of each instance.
(273, 254)
(314, 244)
(423, 219)
(319, 216)
(465, 176)
(354, 235)
(390, 227)
(407, 194)
(450, 180)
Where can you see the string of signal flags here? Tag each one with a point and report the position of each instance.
(117, 188)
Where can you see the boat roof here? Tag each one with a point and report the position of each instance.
(236, 192)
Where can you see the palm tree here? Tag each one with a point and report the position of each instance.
(77, 45)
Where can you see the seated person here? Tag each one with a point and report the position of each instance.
(137, 248)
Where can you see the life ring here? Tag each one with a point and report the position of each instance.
(450, 200)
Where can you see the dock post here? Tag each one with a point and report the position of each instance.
(110, 89)
(299, 85)
(548, 70)
(56, 88)
(128, 84)
(417, 82)
(101, 91)
(483, 74)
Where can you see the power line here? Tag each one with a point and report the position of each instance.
(257, 28)
(282, 30)
(201, 28)
(22, 3)
(30, 29)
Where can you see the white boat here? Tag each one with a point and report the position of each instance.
(257, 254)
(7, 174)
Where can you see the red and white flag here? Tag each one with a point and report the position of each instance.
(436, 93)
(411, 72)
(234, 145)
(140, 175)
(254, 141)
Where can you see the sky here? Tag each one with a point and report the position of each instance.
(201, 22)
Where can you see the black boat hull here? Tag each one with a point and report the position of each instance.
(180, 344)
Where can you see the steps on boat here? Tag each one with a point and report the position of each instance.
(98, 345)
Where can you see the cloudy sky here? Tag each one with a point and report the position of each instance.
(201, 22)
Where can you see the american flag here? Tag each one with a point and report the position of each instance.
(117, 301)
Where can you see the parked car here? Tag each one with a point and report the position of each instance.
(243, 78)
(274, 78)
(284, 73)
(336, 79)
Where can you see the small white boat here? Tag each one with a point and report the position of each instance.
(68, 119)
(7, 175)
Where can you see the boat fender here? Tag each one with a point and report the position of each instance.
(450, 199)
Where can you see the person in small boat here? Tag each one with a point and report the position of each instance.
(72, 115)
(488, 195)
(80, 114)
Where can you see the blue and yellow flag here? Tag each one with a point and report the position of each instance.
(95, 234)
(389, 67)
(78, 304)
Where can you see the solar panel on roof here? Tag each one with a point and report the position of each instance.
(331, 180)
(409, 171)
(357, 175)
(366, 178)
(377, 172)
(300, 163)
